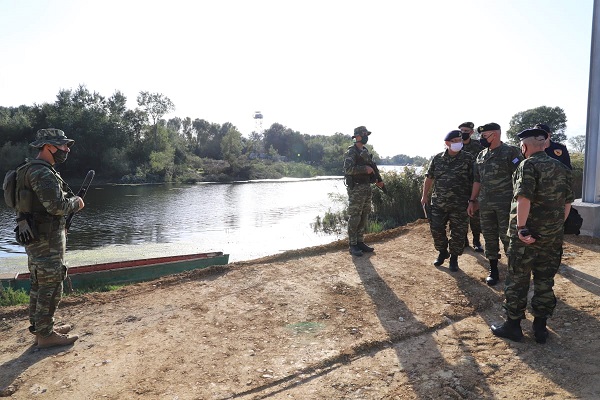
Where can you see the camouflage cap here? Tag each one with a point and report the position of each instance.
(361, 130)
(51, 136)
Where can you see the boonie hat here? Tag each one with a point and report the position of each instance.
(360, 131)
(51, 136)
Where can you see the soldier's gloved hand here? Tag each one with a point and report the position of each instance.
(24, 231)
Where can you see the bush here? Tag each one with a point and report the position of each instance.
(403, 202)
(400, 206)
(577, 160)
(11, 297)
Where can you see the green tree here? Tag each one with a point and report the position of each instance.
(231, 145)
(155, 105)
(554, 117)
(577, 143)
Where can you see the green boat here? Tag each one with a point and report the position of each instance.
(122, 272)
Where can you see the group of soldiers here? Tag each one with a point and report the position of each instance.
(522, 194)
(516, 197)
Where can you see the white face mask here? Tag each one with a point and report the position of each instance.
(456, 147)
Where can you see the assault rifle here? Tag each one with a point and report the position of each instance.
(376, 177)
(81, 193)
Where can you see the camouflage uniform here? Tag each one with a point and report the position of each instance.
(474, 147)
(359, 192)
(493, 170)
(452, 181)
(547, 184)
(52, 200)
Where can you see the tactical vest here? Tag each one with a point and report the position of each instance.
(26, 200)
(358, 160)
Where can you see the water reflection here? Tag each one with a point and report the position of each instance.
(246, 220)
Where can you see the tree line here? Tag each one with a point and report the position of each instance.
(138, 145)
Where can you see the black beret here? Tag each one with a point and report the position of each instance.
(469, 125)
(361, 130)
(452, 134)
(543, 127)
(532, 133)
(492, 126)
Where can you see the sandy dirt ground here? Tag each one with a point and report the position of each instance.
(317, 324)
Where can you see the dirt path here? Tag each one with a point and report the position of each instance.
(317, 324)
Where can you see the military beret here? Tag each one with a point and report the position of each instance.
(543, 127)
(469, 125)
(452, 135)
(360, 131)
(534, 132)
(492, 126)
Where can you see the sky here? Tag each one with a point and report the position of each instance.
(410, 71)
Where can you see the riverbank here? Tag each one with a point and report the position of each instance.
(316, 323)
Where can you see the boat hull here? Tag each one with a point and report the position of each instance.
(124, 272)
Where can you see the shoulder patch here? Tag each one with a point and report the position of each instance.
(516, 160)
(558, 152)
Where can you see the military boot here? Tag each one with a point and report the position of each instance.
(453, 263)
(364, 247)
(477, 244)
(355, 250)
(441, 257)
(492, 279)
(539, 330)
(510, 329)
(55, 339)
(63, 329)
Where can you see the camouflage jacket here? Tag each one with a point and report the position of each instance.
(473, 147)
(355, 163)
(452, 179)
(494, 170)
(52, 196)
(546, 182)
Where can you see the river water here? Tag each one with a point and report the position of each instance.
(246, 220)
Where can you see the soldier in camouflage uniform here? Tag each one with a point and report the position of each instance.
(50, 201)
(492, 192)
(541, 203)
(473, 147)
(359, 176)
(450, 174)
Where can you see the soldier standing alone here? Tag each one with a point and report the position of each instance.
(450, 174)
(359, 175)
(492, 192)
(542, 201)
(50, 200)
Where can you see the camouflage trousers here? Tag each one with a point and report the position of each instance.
(359, 207)
(47, 269)
(458, 219)
(494, 226)
(540, 260)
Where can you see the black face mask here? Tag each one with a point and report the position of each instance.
(465, 135)
(60, 156)
(484, 142)
(364, 139)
